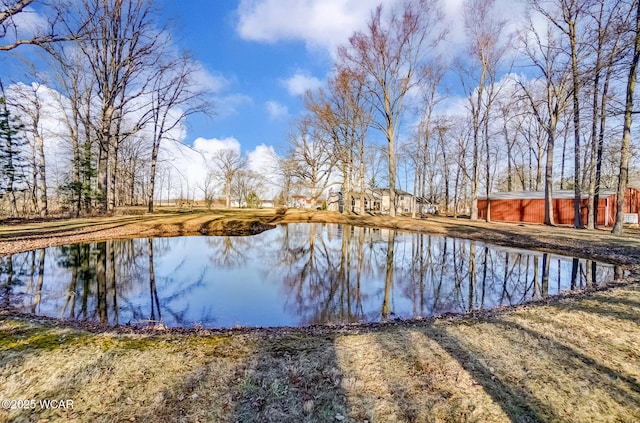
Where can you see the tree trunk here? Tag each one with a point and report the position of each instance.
(362, 181)
(600, 146)
(152, 177)
(548, 176)
(44, 207)
(112, 171)
(577, 200)
(625, 147)
(392, 174)
(485, 130)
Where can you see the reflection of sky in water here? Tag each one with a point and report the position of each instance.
(293, 275)
(216, 296)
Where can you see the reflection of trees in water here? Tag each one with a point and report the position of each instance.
(444, 275)
(22, 272)
(312, 275)
(330, 273)
(7, 282)
(104, 277)
(324, 266)
(229, 252)
(159, 307)
(440, 275)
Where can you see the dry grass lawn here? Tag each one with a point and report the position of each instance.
(574, 359)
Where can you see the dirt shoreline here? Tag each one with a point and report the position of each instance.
(592, 244)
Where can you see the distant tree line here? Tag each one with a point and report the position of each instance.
(554, 95)
(547, 104)
(121, 87)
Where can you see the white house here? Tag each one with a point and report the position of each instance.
(375, 201)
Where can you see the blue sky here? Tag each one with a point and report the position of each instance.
(261, 80)
(266, 53)
(260, 56)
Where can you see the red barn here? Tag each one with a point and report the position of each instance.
(528, 206)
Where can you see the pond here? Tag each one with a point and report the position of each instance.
(294, 275)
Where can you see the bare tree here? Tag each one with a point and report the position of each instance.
(485, 52)
(442, 129)
(543, 51)
(511, 115)
(246, 187)
(284, 169)
(73, 78)
(426, 146)
(11, 161)
(12, 36)
(344, 117)
(625, 146)
(207, 187)
(174, 96)
(389, 54)
(228, 163)
(567, 16)
(133, 171)
(312, 156)
(121, 45)
(610, 17)
(27, 100)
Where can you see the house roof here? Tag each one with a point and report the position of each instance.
(398, 191)
(423, 200)
(539, 195)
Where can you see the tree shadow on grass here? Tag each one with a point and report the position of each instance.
(618, 301)
(568, 357)
(404, 376)
(615, 307)
(425, 374)
(605, 310)
(293, 378)
(517, 403)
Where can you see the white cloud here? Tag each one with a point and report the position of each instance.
(228, 105)
(262, 159)
(300, 83)
(181, 169)
(188, 167)
(29, 23)
(318, 23)
(276, 110)
(209, 81)
(208, 147)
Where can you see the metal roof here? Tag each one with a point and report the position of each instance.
(539, 195)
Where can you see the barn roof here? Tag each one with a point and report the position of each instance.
(539, 195)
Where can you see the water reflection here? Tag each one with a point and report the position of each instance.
(296, 274)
